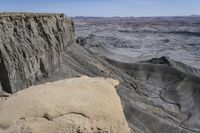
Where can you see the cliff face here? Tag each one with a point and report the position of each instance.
(31, 47)
(35, 48)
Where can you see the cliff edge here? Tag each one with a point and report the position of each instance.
(31, 47)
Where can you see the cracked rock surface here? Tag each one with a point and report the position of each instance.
(77, 105)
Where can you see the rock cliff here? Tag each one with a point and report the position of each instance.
(31, 47)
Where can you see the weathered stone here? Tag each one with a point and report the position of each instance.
(78, 105)
(31, 47)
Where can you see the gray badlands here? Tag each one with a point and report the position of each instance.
(142, 74)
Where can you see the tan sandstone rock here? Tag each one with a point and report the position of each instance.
(78, 105)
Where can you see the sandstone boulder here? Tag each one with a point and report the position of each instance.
(78, 105)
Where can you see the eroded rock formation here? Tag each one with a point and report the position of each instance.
(31, 47)
(164, 96)
(157, 95)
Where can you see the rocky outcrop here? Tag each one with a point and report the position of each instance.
(31, 47)
(78, 105)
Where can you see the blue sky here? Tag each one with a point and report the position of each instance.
(105, 7)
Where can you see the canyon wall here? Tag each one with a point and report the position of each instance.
(31, 47)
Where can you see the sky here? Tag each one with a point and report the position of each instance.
(105, 8)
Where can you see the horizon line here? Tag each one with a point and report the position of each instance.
(98, 16)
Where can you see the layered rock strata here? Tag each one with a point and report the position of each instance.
(31, 47)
